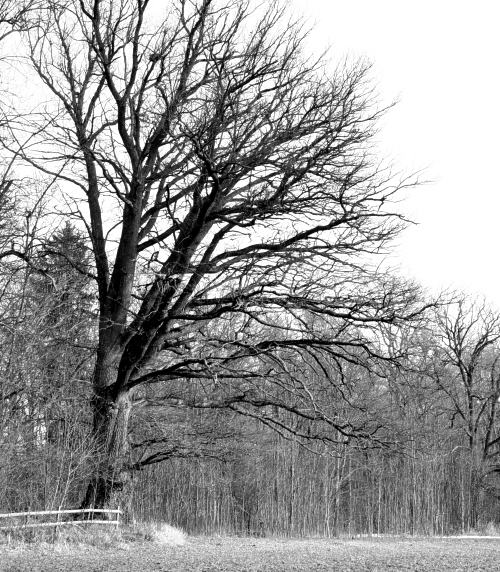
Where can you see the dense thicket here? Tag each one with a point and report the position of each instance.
(228, 475)
(193, 322)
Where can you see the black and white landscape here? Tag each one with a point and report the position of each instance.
(201, 329)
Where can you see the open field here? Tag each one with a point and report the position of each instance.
(270, 555)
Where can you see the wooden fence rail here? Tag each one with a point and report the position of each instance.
(90, 511)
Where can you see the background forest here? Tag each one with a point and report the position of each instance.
(194, 324)
(432, 467)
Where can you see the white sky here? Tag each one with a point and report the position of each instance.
(441, 60)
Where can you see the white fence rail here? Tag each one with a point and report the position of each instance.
(58, 522)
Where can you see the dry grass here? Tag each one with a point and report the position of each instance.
(259, 555)
(165, 534)
(82, 536)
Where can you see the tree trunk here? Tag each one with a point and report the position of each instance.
(110, 482)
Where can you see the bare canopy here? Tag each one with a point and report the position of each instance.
(232, 201)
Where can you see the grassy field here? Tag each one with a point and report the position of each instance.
(253, 555)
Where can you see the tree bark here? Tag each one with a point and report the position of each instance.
(111, 481)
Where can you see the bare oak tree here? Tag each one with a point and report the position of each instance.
(232, 201)
(466, 369)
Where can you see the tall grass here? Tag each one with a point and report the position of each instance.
(97, 536)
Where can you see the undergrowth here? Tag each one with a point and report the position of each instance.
(98, 536)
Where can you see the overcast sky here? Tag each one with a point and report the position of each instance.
(441, 60)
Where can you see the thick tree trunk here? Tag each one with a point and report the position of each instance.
(109, 485)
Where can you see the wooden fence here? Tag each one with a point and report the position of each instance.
(58, 513)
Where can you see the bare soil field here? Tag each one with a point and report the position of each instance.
(255, 555)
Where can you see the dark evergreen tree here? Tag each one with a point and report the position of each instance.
(63, 311)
